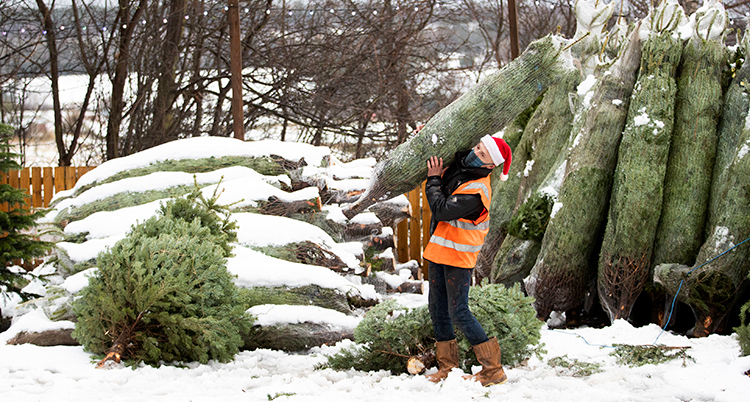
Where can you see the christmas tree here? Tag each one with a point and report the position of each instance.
(390, 334)
(16, 221)
(163, 293)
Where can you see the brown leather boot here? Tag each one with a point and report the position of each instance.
(488, 354)
(446, 354)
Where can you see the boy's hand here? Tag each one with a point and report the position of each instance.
(435, 166)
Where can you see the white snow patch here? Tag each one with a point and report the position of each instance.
(276, 314)
(641, 120)
(527, 169)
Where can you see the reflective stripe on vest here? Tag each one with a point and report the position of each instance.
(458, 242)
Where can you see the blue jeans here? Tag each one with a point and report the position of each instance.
(448, 302)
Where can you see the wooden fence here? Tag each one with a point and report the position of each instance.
(41, 183)
(413, 233)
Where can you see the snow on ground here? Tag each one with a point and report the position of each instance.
(66, 373)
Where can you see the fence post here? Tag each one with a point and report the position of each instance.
(4, 180)
(426, 222)
(13, 181)
(59, 178)
(402, 241)
(36, 187)
(415, 234)
(70, 177)
(47, 186)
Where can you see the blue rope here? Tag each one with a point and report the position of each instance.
(584, 339)
(671, 308)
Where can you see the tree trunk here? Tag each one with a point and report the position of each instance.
(162, 126)
(560, 276)
(122, 59)
(54, 75)
(485, 109)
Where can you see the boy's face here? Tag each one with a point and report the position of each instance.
(480, 150)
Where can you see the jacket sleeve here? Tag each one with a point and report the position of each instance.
(453, 206)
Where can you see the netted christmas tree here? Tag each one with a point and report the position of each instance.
(16, 221)
(163, 293)
(390, 334)
(743, 331)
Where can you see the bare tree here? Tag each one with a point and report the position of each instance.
(128, 21)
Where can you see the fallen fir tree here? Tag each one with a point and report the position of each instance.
(163, 293)
(485, 109)
(390, 334)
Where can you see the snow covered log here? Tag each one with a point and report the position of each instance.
(711, 286)
(295, 337)
(691, 156)
(485, 109)
(52, 337)
(636, 197)
(559, 278)
(278, 207)
(310, 295)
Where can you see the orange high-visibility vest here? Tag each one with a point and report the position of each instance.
(457, 242)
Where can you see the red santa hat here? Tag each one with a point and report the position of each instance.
(500, 153)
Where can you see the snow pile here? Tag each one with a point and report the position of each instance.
(714, 373)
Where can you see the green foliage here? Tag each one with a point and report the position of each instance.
(575, 368)
(390, 333)
(194, 206)
(15, 242)
(164, 293)
(530, 221)
(508, 314)
(743, 331)
(386, 337)
(640, 355)
(279, 394)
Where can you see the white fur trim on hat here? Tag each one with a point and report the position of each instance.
(494, 150)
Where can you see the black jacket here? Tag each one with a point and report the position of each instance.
(439, 191)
